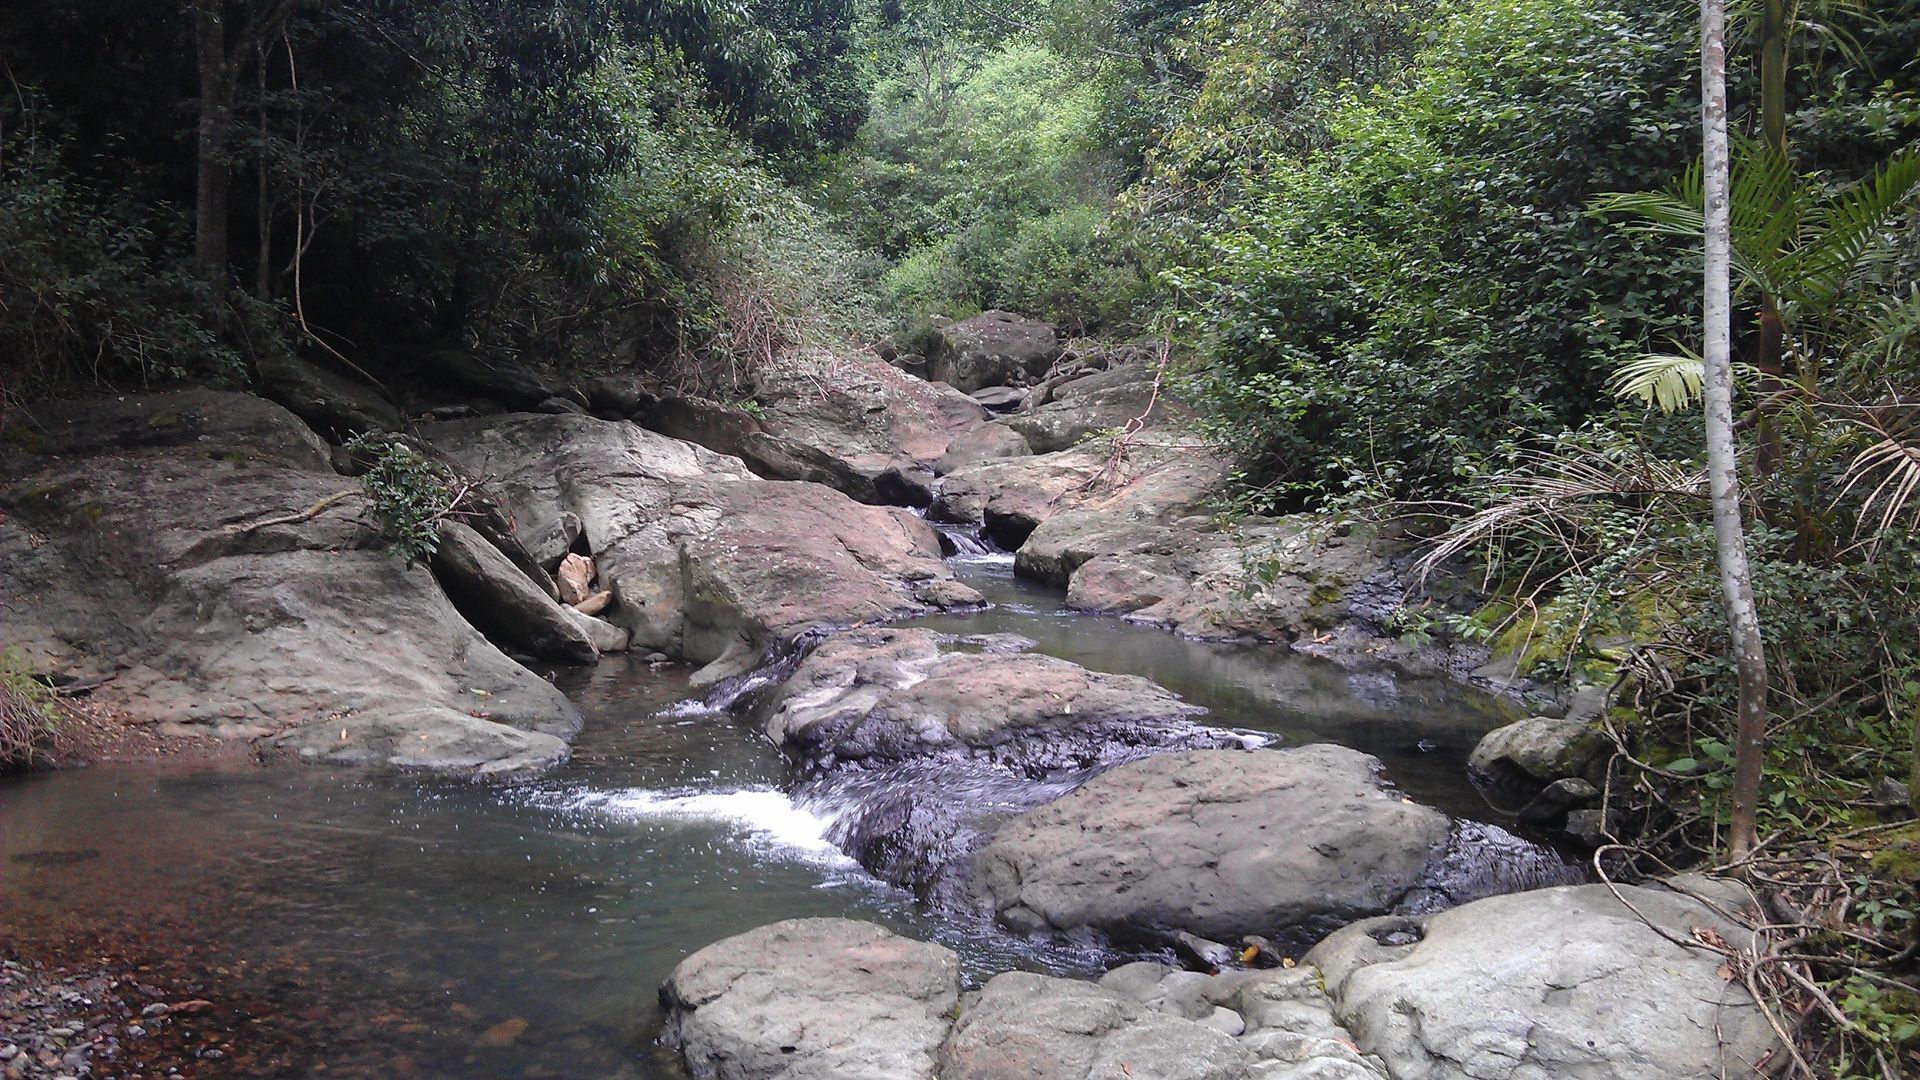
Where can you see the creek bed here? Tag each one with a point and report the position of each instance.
(372, 925)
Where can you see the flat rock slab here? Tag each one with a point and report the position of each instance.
(812, 999)
(897, 693)
(1565, 983)
(129, 551)
(1221, 843)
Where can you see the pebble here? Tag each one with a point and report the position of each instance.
(157, 1009)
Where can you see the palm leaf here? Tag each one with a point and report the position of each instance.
(1843, 230)
(1660, 380)
(1892, 464)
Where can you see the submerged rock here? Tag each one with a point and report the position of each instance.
(1219, 843)
(1565, 983)
(135, 551)
(706, 562)
(812, 999)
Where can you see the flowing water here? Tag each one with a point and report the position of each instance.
(377, 926)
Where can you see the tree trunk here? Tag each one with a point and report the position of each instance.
(216, 122)
(263, 197)
(1723, 471)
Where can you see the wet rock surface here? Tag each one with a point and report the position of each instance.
(1566, 983)
(883, 695)
(812, 999)
(1216, 842)
(134, 552)
(920, 741)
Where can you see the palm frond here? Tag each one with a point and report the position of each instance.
(1892, 464)
(1842, 230)
(1660, 381)
(1547, 494)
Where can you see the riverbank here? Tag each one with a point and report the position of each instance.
(784, 702)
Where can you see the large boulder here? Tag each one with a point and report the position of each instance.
(851, 422)
(831, 998)
(1100, 402)
(706, 562)
(137, 546)
(1221, 843)
(1568, 983)
(1541, 750)
(917, 741)
(898, 693)
(994, 348)
(1159, 479)
(332, 403)
(812, 999)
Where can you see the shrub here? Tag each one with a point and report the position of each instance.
(29, 713)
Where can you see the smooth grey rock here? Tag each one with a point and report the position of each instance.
(302, 630)
(332, 403)
(499, 599)
(999, 398)
(1216, 842)
(994, 348)
(1202, 955)
(922, 737)
(1557, 799)
(555, 542)
(1565, 983)
(617, 397)
(706, 562)
(1026, 1025)
(850, 422)
(606, 637)
(988, 442)
(812, 999)
(895, 693)
(1540, 750)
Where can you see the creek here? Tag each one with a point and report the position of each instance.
(381, 925)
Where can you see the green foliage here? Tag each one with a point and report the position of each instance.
(29, 713)
(88, 293)
(1429, 282)
(408, 495)
(987, 190)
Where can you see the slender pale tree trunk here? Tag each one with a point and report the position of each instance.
(1723, 470)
